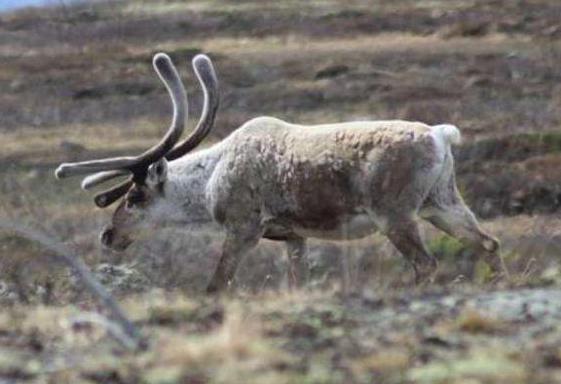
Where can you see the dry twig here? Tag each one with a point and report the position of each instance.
(65, 254)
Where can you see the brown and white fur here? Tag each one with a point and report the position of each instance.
(276, 180)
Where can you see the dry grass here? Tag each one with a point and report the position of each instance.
(308, 336)
(473, 321)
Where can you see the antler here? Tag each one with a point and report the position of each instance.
(209, 83)
(137, 165)
(206, 75)
(100, 178)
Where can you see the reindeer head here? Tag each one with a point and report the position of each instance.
(144, 190)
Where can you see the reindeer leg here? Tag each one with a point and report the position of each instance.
(446, 210)
(406, 237)
(297, 263)
(233, 249)
(458, 221)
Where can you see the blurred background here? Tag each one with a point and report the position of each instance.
(78, 84)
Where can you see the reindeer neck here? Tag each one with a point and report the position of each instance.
(187, 181)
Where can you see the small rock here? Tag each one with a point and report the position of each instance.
(467, 28)
(331, 71)
(69, 146)
(478, 81)
(121, 278)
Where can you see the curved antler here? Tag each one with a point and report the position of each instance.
(108, 197)
(138, 164)
(206, 75)
(101, 177)
(202, 65)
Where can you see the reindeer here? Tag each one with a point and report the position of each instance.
(287, 182)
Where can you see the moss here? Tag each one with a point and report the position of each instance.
(482, 272)
(488, 367)
(445, 247)
(550, 141)
(514, 147)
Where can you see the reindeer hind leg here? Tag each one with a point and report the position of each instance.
(458, 221)
(446, 210)
(406, 237)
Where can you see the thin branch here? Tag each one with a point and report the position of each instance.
(65, 255)
(110, 327)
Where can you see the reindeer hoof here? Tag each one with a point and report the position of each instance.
(491, 245)
(495, 263)
(211, 290)
(217, 287)
(426, 274)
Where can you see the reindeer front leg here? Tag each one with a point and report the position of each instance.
(233, 249)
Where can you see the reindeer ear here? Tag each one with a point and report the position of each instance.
(157, 173)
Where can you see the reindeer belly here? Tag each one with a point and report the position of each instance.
(320, 199)
(324, 217)
(344, 227)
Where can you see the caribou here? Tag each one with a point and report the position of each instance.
(288, 182)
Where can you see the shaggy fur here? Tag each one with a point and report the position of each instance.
(289, 182)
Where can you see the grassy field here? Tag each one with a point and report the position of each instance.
(77, 84)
